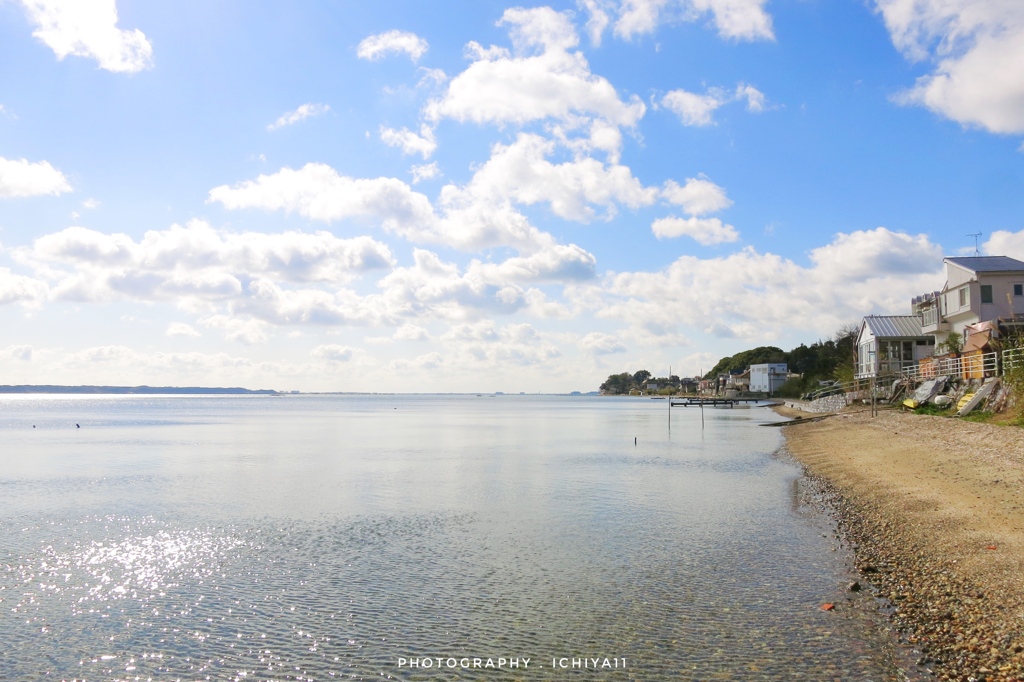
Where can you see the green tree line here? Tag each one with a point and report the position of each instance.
(622, 384)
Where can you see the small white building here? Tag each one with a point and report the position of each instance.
(889, 344)
(769, 377)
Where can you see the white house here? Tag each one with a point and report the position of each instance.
(977, 289)
(768, 377)
(888, 344)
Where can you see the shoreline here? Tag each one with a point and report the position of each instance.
(933, 509)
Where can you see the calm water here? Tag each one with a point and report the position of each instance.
(325, 537)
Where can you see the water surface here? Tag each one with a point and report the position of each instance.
(321, 537)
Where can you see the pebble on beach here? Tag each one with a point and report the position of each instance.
(961, 634)
(962, 622)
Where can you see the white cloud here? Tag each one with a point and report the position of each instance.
(431, 77)
(697, 197)
(761, 296)
(691, 108)
(118, 364)
(477, 216)
(433, 289)
(424, 172)
(423, 144)
(706, 231)
(246, 331)
(978, 49)
(867, 254)
(597, 20)
(1005, 243)
(556, 263)
(181, 329)
(471, 223)
(521, 172)
(333, 353)
(485, 344)
(20, 289)
(88, 28)
(411, 332)
(266, 300)
(319, 192)
(193, 262)
(756, 100)
(17, 352)
(542, 80)
(19, 178)
(305, 111)
(734, 19)
(90, 204)
(394, 41)
(601, 344)
(540, 27)
(698, 110)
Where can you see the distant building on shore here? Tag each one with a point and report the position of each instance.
(768, 377)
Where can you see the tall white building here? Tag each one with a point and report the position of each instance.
(769, 377)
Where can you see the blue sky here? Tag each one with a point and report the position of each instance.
(408, 196)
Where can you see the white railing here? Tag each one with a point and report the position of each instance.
(969, 367)
(1012, 357)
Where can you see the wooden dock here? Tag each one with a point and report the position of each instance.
(711, 402)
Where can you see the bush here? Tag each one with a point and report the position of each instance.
(793, 388)
(934, 410)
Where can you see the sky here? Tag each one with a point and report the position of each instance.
(330, 195)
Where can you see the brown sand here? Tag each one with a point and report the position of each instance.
(934, 507)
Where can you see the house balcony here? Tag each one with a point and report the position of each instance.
(932, 322)
(928, 306)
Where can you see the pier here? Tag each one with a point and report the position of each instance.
(711, 402)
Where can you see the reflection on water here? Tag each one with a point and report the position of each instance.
(327, 537)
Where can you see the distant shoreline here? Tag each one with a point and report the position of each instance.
(200, 390)
(137, 390)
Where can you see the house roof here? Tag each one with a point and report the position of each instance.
(988, 263)
(890, 326)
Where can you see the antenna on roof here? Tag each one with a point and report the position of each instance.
(976, 236)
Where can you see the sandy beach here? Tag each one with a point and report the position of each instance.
(934, 509)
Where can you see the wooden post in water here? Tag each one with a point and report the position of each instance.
(701, 398)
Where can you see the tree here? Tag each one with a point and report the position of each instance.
(617, 384)
(954, 343)
(744, 359)
(641, 377)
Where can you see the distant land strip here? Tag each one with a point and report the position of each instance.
(137, 390)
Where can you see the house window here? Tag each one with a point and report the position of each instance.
(963, 296)
(1018, 289)
(986, 293)
(929, 316)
